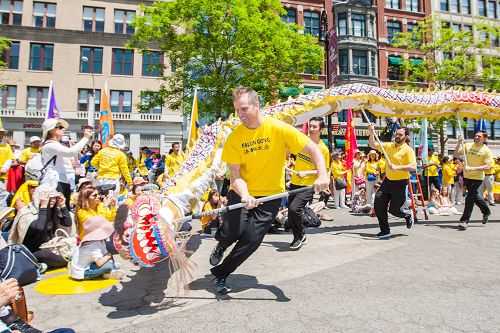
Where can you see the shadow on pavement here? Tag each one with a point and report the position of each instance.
(145, 292)
(238, 283)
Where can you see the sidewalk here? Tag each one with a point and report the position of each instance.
(339, 255)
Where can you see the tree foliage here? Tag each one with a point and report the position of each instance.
(216, 45)
(4, 46)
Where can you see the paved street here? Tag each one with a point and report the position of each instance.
(432, 278)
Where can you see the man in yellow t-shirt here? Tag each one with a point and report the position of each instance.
(254, 153)
(6, 157)
(304, 175)
(174, 160)
(35, 147)
(478, 160)
(400, 161)
(431, 170)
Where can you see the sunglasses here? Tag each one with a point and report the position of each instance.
(60, 127)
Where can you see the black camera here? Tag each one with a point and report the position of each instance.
(105, 189)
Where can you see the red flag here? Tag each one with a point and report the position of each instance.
(351, 143)
(106, 127)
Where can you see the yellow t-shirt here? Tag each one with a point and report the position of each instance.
(143, 170)
(371, 167)
(476, 156)
(131, 164)
(497, 172)
(5, 154)
(304, 163)
(28, 153)
(433, 169)
(205, 219)
(260, 153)
(402, 155)
(337, 168)
(491, 171)
(173, 163)
(448, 174)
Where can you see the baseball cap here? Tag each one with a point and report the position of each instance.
(35, 138)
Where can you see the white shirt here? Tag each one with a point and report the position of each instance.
(84, 255)
(51, 148)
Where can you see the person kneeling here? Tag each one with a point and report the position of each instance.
(91, 259)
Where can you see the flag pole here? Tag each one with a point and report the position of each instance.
(195, 96)
(461, 133)
(49, 97)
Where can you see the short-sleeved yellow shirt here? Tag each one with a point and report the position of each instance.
(448, 174)
(476, 156)
(402, 155)
(5, 154)
(371, 167)
(433, 169)
(28, 153)
(260, 153)
(173, 163)
(303, 162)
(337, 168)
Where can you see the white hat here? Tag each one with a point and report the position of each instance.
(35, 138)
(82, 181)
(118, 141)
(51, 123)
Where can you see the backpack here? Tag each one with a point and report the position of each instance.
(310, 218)
(35, 168)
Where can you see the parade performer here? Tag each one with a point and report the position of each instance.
(254, 153)
(304, 175)
(478, 158)
(400, 161)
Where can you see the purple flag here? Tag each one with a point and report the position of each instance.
(52, 109)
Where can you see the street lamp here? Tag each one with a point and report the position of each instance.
(323, 38)
(91, 107)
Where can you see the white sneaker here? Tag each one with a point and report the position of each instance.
(43, 267)
(344, 207)
(115, 274)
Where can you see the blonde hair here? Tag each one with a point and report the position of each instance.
(238, 92)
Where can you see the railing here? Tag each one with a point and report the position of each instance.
(11, 113)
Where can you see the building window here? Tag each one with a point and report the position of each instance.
(11, 56)
(37, 98)
(147, 98)
(290, 17)
(396, 4)
(358, 25)
(311, 23)
(342, 23)
(374, 64)
(44, 15)
(93, 62)
(394, 69)
(93, 19)
(412, 5)
(122, 62)
(444, 5)
(359, 62)
(121, 101)
(41, 56)
(481, 7)
(392, 29)
(344, 61)
(454, 6)
(455, 27)
(123, 19)
(84, 96)
(151, 63)
(9, 94)
(465, 6)
(11, 11)
(492, 9)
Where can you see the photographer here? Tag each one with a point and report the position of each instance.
(90, 204)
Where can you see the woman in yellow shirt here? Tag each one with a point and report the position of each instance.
(89, 205)
(338, 170)
(448, 172)
(211, 221)
(372, 174)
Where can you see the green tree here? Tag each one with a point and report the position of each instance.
(4, 46)
(449, 59)
(216, 45)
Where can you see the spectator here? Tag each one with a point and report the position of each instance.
(174, 161)
(211, 221)
(358, 170)
(131, 163)
(89, 204)
(53, 150)
(372, 173)
(86, 159)
(441, 203)
(338, 172)
(6, 157)
(431, 170)
(141, 165)
(458, 180)
(34, 148)
(360, 202)
(15, 177)
(448, 180)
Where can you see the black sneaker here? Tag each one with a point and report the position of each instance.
(383, 235)
(486, 217)
(462, 225)
(216, 255)
(23, 327)
(222, 287)
(409, 221)
(298, 242)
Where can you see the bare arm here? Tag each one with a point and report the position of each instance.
(371, 138)
(456, 152)
(318, 160)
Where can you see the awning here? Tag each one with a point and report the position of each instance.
(341, 143)
(416, 61)
(395, 60)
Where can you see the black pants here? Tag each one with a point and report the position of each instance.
(473, 198)
(393, 192)
(297, 202)
(433, 180)
(65, 189)
(51, 259)
(245, 227)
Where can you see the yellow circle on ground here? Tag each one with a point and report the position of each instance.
(64, 285)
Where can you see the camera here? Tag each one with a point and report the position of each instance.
(105, 189)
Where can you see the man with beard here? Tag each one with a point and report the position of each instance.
(478, 159)
(304, 175)
(400, 161)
